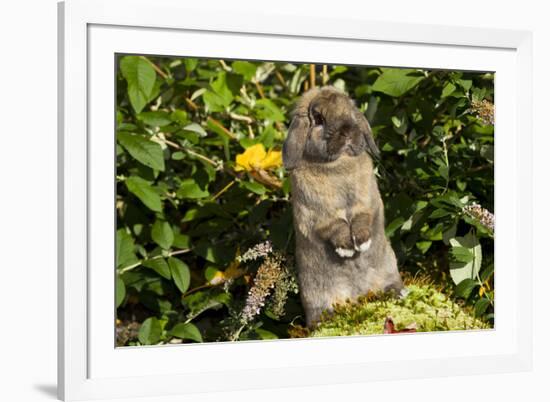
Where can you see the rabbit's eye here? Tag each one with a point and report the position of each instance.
(317, 118)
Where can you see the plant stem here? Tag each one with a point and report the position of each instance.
(225, 66)
(445, 153)
(237, 333)
(222, 127)
(204, 158)
(223, 190)
(325, 74)
(312, 76)
(259, 89)
(137, 264)
(236, 116)
(190, 152)
(280, 78)
(205, 286)
(191, 104)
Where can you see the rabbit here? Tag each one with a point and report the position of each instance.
(341, 248)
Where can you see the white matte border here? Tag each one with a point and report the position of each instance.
(106, 362)
(329, 360)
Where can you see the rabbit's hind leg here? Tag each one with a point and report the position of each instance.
(321, 303)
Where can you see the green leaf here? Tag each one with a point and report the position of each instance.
(488, 152)
(267, 110)
(396, 81)
(190, 64)
(160, 266)
(439, 213)
(162, 234)
(186, 331)
(244, 68)
(179, 116)
(217, 254)
(219, 96)
(140, 76)
(144, 191)
(150, 331)
(462, 254)
(155, 119)
(394, 225)
(423, 246)
(449, 233)
(234, 83)
(447, 90)
(487, 272)
(125, 247)
(297, 79)
(180, 273)
(211, 227)
(196, 128)
(397, 122)
(464, 288)
(466, 84)
(481, 306)
(461, 270)
(190, 189)
(443, 172)
(265, 334)
(178, 156)
(194, 213)
(439, 132)
(201, 301)
(255, 187)
(120, 292)
(181, 240)
(145, 151)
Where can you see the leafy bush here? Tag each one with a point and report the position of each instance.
(204, 227)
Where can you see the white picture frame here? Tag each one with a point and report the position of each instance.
(92, 32)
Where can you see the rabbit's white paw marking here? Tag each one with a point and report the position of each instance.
(404, 293)
(344, 252)
(364, 246)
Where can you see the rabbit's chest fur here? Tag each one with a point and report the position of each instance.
(330, 191)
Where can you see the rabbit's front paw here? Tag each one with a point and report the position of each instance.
(362, 247)
(345, 252)
(362, 240)
(343, 244)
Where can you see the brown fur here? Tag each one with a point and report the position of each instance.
(336, 204)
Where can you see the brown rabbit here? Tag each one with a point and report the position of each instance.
(341, 248)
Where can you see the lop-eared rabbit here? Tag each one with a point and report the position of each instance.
(341, 248)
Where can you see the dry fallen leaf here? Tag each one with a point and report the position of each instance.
(389, 327)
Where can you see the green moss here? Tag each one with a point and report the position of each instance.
(425, 307)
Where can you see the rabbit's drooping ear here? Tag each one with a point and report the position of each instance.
(364, 125)
(293, 147)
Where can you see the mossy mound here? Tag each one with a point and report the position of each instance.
(424, 308)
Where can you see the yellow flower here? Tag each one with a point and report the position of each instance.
(273, 159)
(233, 271)
(481, 291)
(217, 279)
(256, 158)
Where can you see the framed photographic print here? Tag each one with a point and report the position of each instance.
(317, 195)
